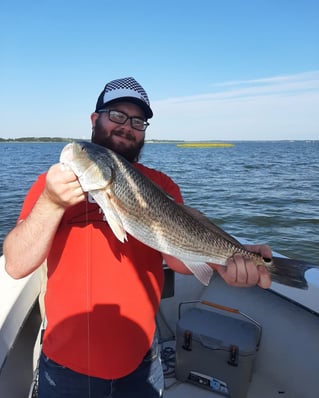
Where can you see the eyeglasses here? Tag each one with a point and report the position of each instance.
(120, 117)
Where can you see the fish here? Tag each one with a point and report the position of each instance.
(134, 205)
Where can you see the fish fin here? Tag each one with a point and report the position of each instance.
(110, 214)
(290, 272)
(201, 271)
(91, 179)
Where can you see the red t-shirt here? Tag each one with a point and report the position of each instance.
(102, 295)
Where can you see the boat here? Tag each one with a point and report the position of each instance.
(283, 361)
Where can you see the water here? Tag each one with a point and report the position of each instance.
(265, 192)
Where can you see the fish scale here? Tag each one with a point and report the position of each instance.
(133, 204)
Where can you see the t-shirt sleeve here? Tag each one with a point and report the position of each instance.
(32, 196)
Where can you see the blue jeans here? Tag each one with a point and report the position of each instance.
(147, 381)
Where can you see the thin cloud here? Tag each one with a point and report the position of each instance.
(301, 83)
(284, 108)
(313, 75)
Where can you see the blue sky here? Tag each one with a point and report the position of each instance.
(213, 69)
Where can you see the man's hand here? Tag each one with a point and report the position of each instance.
(62, 187)
(242, 272)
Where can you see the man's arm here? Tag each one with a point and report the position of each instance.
(28, 244)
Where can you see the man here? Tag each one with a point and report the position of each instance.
(102, 295)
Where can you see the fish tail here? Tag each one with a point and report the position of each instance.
(290, 272)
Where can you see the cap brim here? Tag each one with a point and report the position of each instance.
(147, 110)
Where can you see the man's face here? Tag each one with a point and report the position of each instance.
(121, 138)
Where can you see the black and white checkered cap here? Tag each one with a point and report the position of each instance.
(126, 89)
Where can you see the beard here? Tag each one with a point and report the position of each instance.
(104, 138)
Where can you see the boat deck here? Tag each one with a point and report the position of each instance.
(286, 364)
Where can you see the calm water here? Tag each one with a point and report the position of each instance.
(265, 192)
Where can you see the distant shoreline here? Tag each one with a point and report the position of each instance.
(185, 143)
(61, 139)
(205, 144)
(36, 139)
(152, 141)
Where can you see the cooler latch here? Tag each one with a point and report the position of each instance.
(187, 341)
(233, 355)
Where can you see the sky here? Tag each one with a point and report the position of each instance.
(213, 69)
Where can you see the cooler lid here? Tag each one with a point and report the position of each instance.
(217, 331)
